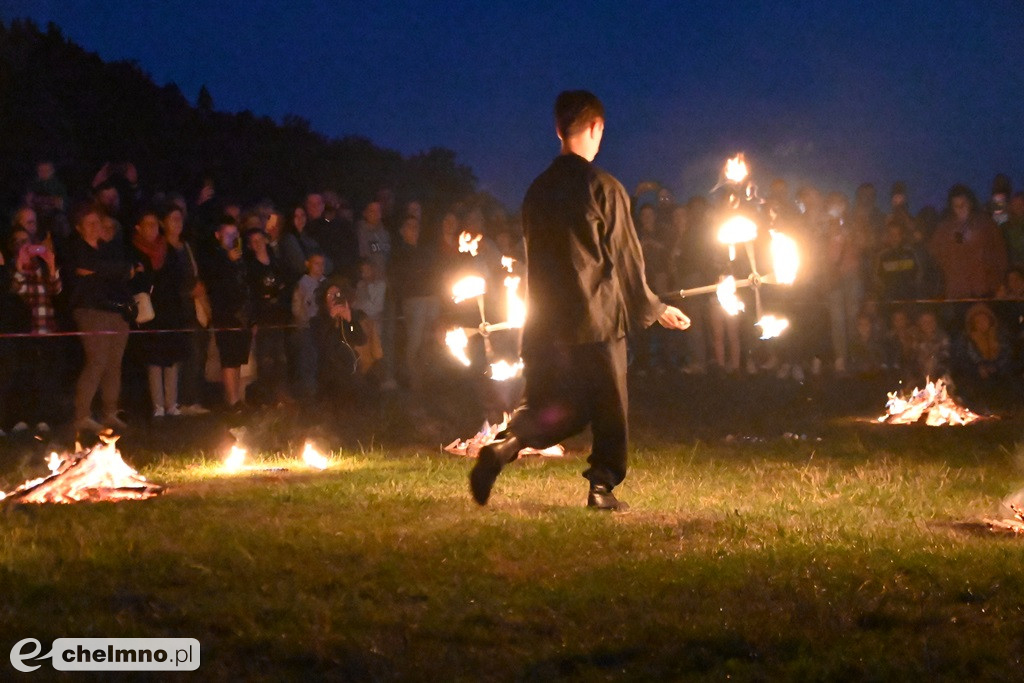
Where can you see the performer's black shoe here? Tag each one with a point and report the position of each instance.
(489, 462)
(602, 498)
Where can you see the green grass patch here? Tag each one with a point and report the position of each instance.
(846, 558)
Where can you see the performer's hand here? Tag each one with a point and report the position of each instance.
(674, 319)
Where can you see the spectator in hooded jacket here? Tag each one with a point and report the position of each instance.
(968, 248)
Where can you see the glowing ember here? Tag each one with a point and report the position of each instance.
(469, 244)
(97, 474)
(503, 371)
(236, 458)
(506, 263)
(785, 258)
(468, 287)
(471, 447)
(457, 342)
(771, 326)
(515, 305)
(933, 402)
(736, 170)
(314, 458)
(727, 296)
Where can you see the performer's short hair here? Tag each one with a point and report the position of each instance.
(575, 110)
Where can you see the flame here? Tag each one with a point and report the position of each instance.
(457, 341)
(785, 258)
(933, 401)
(471, 446)
(515, 305)
(502, 371)
(506, 263)
(98, 474)
(468, 287)
(468, 243)
(314, 458)
(736, 170)
(727, 296)
(771, 326)
(737, 229)
(236, 459)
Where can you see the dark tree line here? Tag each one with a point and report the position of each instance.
(63, 103)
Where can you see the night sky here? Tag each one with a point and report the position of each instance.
(839, 92)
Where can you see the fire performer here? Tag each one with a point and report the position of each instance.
(585, 291)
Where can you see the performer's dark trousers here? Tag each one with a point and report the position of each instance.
(569, 387)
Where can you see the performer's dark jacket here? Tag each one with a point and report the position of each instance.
(585, 269)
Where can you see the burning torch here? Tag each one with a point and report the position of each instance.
(741, 230)
(475, 287)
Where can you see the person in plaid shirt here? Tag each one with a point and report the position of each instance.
(37, 281)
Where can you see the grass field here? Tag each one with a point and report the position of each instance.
(851, 554)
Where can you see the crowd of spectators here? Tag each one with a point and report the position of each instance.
(882, 292)
(222, 305)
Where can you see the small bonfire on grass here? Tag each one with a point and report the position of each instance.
(933, 403)
(471, 446)
(1014, 524)
(93, 475)
(1011, 515)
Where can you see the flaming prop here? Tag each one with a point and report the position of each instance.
(933, 402)
(457, 342)
(503, 371)
(515, 306)
(739, 229)
(726, 292)
(474, 287)
(96, 474)
(471, 446)
(469, 287)
(469, 244)
(771, 326)
(736, 170)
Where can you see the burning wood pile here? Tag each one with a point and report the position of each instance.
(1011, 512)
(933, 402)
(93, 475)
(471, 446)
(1014, 524)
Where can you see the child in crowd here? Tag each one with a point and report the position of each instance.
(370, 292)
(933, 348)
(900, 343)
(867, 349)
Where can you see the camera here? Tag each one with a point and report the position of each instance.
(35, 249)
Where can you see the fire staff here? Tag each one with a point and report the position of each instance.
(585, 291)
